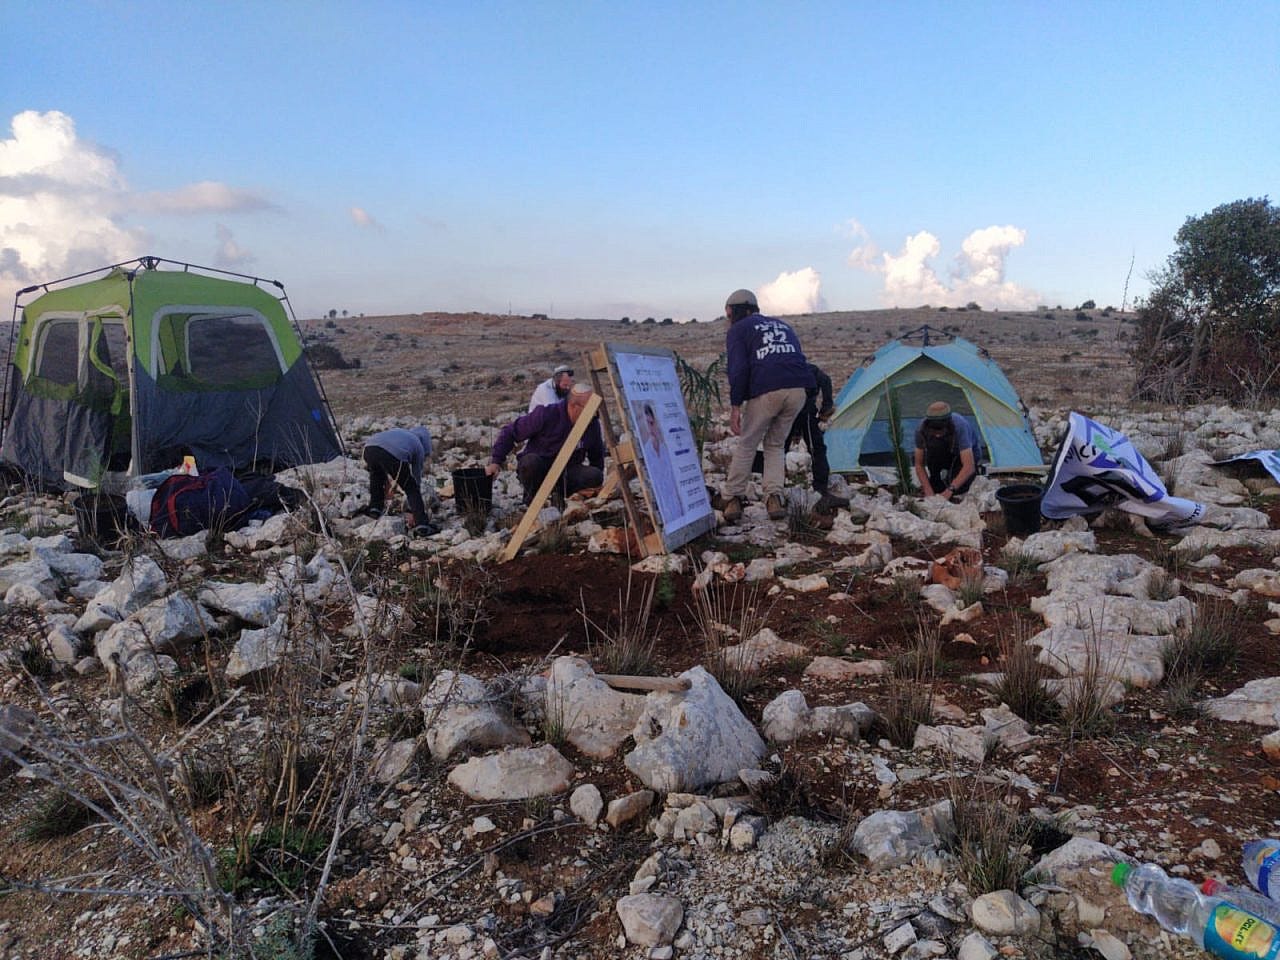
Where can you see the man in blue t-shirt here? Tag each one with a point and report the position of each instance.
(946, 458)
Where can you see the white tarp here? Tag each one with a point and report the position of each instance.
(1270, 460)
(1097, 467)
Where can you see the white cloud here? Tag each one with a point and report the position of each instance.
(361, 218)
(207, 196)
(64, 204)
(230, 254)
(60, 199)
(866, 255)
(792, 293)
(978, 274)
(909, 279)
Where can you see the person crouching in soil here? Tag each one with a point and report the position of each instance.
(543, 432)
(946, 454)
(397, 456)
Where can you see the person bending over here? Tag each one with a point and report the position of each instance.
(397, 456)
(946, 455)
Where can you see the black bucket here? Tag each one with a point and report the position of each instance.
(102, 518)
(1021, 505)
(473, 489)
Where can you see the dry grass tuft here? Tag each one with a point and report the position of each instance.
(1020, 565)
(725, 616)
(971, 587)
(1207, 643)
(990, 837)
(1085, 712)
(628, 645)
(909, 692)
(1022, 686)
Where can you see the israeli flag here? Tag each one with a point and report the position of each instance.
(1097, 467)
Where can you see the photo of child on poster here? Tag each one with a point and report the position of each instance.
(663, 440)
(657, 460)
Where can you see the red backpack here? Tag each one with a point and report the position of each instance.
(184, 505)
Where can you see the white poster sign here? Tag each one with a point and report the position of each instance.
(664, 444)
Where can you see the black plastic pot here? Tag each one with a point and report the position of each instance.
(1020, 503)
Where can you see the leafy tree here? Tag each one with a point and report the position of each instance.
(1210, 324)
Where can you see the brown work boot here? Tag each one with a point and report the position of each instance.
(776, 506)
(732, 509)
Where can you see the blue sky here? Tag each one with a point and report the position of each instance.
(610, 159)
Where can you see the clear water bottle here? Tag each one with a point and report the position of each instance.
(1250, 900)
(1261, 857)
(1218, 925)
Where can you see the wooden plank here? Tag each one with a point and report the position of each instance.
(665, 684)
(553, 476)
(622, 454)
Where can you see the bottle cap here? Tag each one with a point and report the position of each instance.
(1119, 872)
(1210, 886)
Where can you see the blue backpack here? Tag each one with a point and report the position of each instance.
(184, 505)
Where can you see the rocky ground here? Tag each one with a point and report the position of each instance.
(319, 719)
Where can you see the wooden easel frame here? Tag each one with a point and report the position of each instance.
(623, 456)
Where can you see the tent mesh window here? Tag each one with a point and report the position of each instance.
(60, 353)
(224, 352)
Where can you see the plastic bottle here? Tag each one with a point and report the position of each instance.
(1261, 857)
(1250, 900)
(1218, 925)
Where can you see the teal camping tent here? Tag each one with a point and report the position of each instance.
(902, 378)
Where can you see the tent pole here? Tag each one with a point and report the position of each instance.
(297, 328)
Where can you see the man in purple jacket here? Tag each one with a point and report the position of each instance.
(768, 373)
(543, 432)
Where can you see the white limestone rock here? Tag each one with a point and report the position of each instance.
(661, 563)
(1050, 544)
(893, 838)
(186, 548)
(1203, 540)
(33, 574)
(649, 919)
(764, 648)
(255, 603)
(259, 653)
(517, 773)
(586, 803)
(1257, 702)
(595, 717)
(72, 567)
(836, 668)
(460, 710)
(1133, 659)
(692, 739)
(1116, 614)
(140, 582)
(1005, 914)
